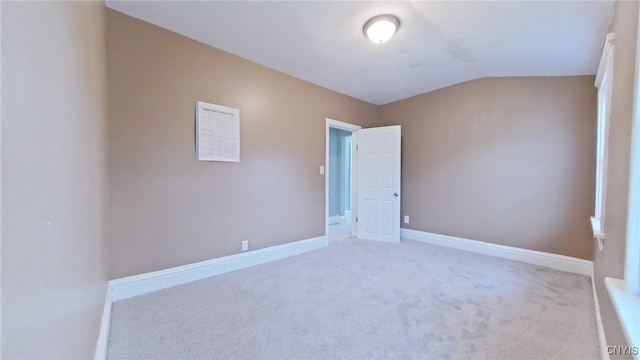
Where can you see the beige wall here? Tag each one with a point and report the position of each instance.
(53, 170)
(166, 208)
(610, 261)
(503, 160)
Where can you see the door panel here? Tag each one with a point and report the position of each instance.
(378, 156)
(387, 218)
(368, 208)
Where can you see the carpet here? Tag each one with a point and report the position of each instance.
(358, 299)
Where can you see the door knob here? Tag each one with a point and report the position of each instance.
(395, 194)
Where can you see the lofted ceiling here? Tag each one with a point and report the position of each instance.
(439, 43)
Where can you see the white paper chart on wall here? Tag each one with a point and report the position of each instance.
(217, 132)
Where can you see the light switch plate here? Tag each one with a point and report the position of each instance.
(321, 170)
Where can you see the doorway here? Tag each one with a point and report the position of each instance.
(340, 185)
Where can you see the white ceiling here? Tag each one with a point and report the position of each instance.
(439, 43)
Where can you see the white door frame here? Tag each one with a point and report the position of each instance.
(347, 146)
(330, 123)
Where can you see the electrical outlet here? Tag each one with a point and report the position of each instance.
(406, 219)
(245, 245)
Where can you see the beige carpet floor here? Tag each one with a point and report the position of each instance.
(359, 299)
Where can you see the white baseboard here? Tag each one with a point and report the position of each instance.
(335, 220)
(127, 287)
(105, 325)
(602, 339)
(553, 261)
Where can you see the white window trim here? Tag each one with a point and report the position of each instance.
(632, 263)
(603, 82)
(627, 308)
(625, 294)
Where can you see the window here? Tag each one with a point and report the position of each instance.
(603, 83)
(625, 293)
(632, 261)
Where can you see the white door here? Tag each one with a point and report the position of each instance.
(378, 156)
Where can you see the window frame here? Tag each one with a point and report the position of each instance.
(625, 293)
(632, 251)
(604, 79)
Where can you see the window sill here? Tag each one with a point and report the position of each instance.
(627, 308)
(598, 231)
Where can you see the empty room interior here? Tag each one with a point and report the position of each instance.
(320, 180)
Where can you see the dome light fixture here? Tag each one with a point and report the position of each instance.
(381, 28)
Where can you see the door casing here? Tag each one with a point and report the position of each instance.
(336, 124)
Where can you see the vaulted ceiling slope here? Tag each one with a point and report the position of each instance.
(439, 43)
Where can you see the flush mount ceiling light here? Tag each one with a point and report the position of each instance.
(381, 28)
